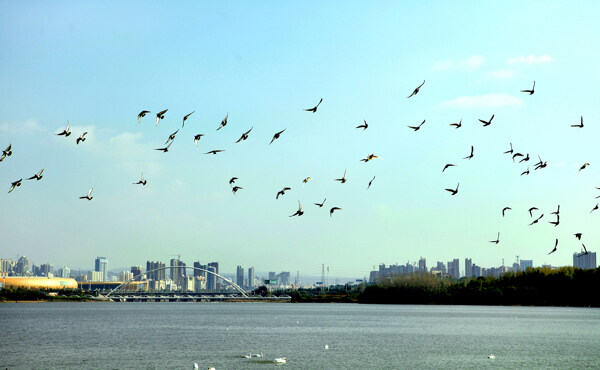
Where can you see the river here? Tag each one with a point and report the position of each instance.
(176, 335)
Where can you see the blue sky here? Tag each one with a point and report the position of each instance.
(97, 65)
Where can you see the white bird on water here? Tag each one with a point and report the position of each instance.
(280, 360)
(491, 357)
(249, 355)
(327, 346)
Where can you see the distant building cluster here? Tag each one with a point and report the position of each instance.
(156, 277)
(452, 268)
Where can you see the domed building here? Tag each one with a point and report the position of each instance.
(40, 283)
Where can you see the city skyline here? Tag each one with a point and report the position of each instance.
(262, 66)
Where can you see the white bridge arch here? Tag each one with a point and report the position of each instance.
(237, 287)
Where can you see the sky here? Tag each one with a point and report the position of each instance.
(97, 65)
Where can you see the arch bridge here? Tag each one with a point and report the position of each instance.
(237, 287)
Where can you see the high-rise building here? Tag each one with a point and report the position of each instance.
(422, 265)
(200, 272)
(102, 266)
(251, 277)
(47, 270)
(441, 267)
(584, 261)
(23, 266)
(95, 276)
(64, 272)
(468, 268)
(211, 279)
(159, 275)
(188, 283)
(273, 275)
(126, 275)
(137, 272)
(215, 265)
(284, 278)
(239, 276)
(177, 272)
(524, 264)
(454, 268)
(6, 266)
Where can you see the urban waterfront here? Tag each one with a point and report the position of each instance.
(177, 335)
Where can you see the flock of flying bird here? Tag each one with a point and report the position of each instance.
(235, 188)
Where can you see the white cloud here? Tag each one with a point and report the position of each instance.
(486, 100)
(501, 73)
(530, 59)
(472, 62)
(29, 127)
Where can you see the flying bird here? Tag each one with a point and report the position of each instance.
(14, 184)
(457, 125)
(320, 204)
(171, 137)
(186, 117)
(509, 151)
(416, 91)
(584, 166)
(37, 176)
(525, 172)
(557, 211)
(142, 114)
(580, 125)
(470, 155)
(6, 153)
(88, 196)
(282, 192)
(595, 208)
(315, 107)
(540, 164)
(299, 212)
(584, 248)
(306, 180)
(277, 135)
(165, 149)
(555, 223)
(532, 209)
(66, 131)
(244, 135)
(536, 220)
(578, 235)
(197, 138)
(525, 159)
(369, 158)
(160, 115)
(80, 138)
(370, 182)
(530, 91)
(448, 165)
(487, 123)
(215, 151)
(416, 128)
(223, 122)
(333, 210)
(555, 245)
(232, 181)
(504, 210)
(363, 126)
(235, 189)
(142, 181)
(516, 155)
(343, 179)
(453, 191)
(497, 239)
